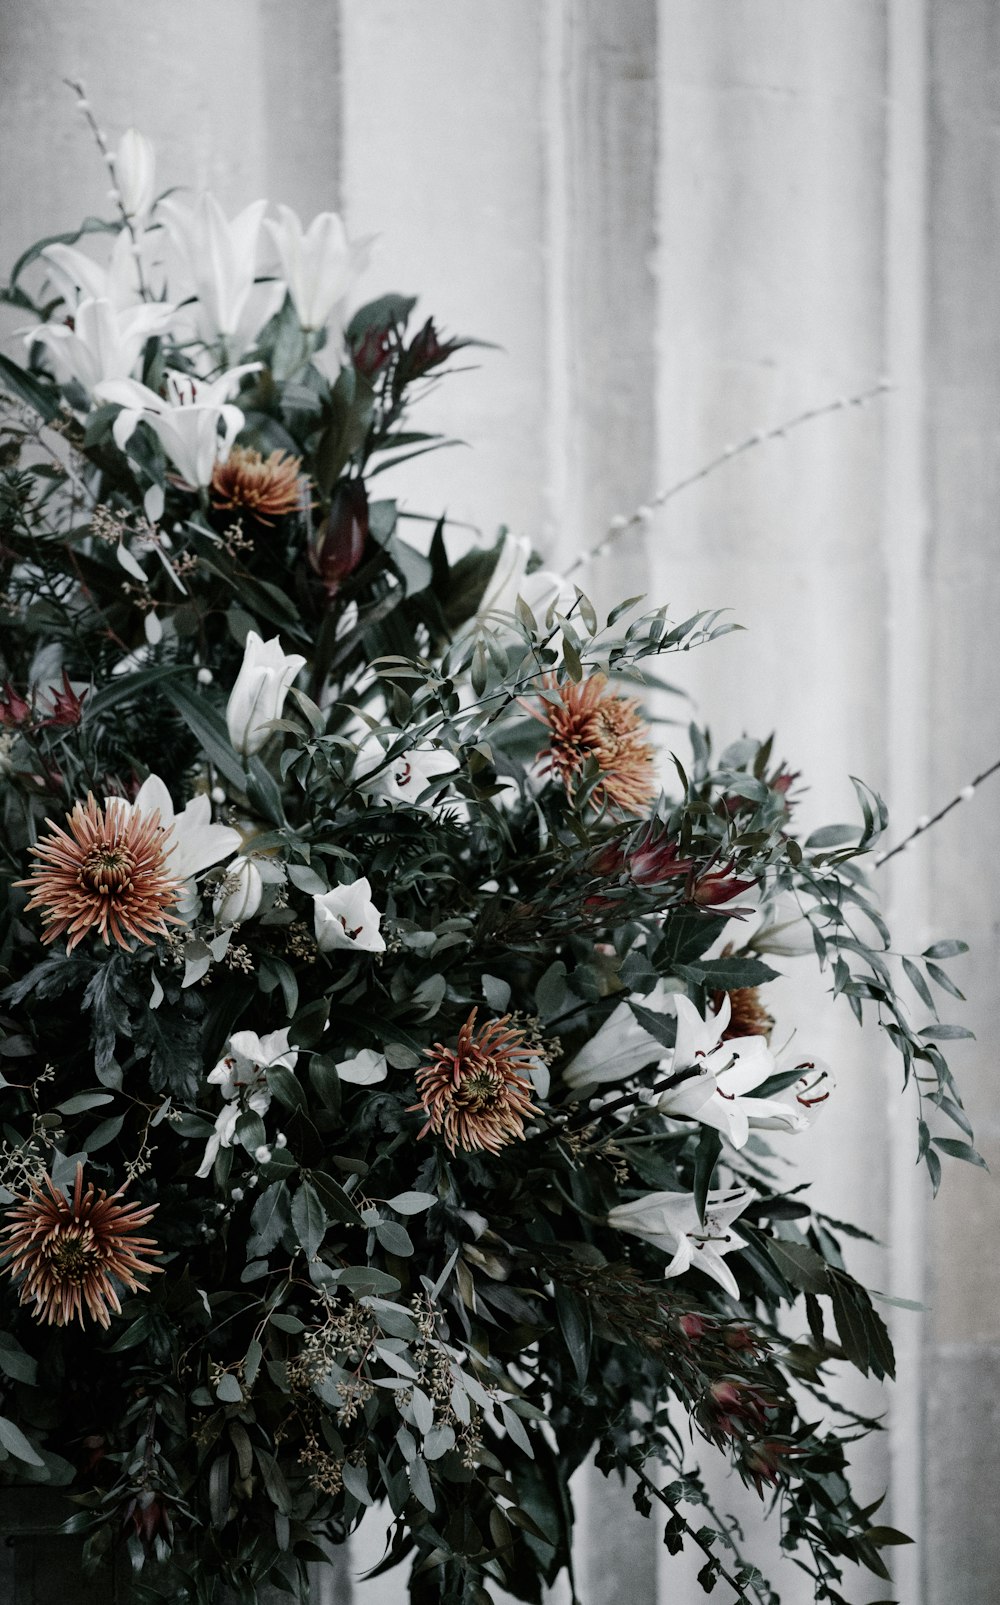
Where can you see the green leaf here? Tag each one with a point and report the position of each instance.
(228, 1390)
(309, 1219)
(705, 1160)
(945, 950)
(726, 974)
(207, 724)
(960, 1150)
(269, 1217)
(577, 1330)
(16, 1443)
(946, 1033)
(799, 1264)
(42, 399)
(285, 1086)
(395, 1239)
(881, 1536)
(411, 1203)
(84, 1100)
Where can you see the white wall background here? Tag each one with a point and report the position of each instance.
(684, 220)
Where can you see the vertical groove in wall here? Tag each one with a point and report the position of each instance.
(557, 536)
(905, 552)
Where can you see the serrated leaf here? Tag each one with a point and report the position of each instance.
(799, 1264)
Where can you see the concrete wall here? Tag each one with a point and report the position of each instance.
(684, 220)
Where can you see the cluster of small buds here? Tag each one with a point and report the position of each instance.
(235, 541)
(300, 942)
(324, 1471)
(239, 958)
(141, 1163)
(184, 565)
(354, 1395)
(20, 1166)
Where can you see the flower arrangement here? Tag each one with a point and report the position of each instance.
(358, 959)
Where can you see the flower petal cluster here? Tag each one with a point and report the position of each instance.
(220, 257)
(69, 1253)
(266, 488)
(726, 1071)
(104, 342)
(345, 918)
(477, 1095)
(194, 843)
(242, 1077)
(670, 1222)
(258, 697)
(319, 264)
(405, 778)
(186, 421)
(590, 723)
(108, 873)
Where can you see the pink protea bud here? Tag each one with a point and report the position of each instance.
(67, 707)
(14, 710)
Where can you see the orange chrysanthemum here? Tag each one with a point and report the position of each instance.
(591, 722)
(477, 1095)
(108, 874)
(265, 487)
(68, 1251)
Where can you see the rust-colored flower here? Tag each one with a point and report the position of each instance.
(68, 1251)
(265, 487)
(477, 1094)
(108, 874)
(748, 1015)
(591, 722)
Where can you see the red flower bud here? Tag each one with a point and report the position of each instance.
(67, 707)
(693, 1326)
(14, 710)
(337, 546)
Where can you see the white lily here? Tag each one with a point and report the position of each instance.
(104, 343)
(319, 265)
(239, 896)
(405, 778)
(808, 1095)
(134, 169)
(186, 422)
(194, 843)
(258, 696)
(346, 917)
(364, 1069)
(220, 256)
(621, 1046)
(77, 277)
(670, 1222)
(510, 579)
(242, 1077)
(717, 1094)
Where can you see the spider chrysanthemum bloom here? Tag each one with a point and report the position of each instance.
(108, 873)
(477, 1094)
(68, 1250)
(748, 1017)
(265, 487)
(591, 722)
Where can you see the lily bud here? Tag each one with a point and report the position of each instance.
(258, 696)
(239, 896)
(135, 174)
